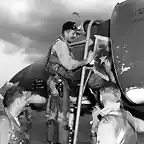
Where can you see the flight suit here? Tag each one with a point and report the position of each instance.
(60, 63)
(61, 59)
(10, 130)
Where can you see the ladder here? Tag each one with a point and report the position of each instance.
(82, 83)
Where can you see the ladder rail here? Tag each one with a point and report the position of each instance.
(78, 43)
(82, 84)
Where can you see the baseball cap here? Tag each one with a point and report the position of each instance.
(70, 25)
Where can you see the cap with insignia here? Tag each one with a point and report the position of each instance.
(70, 25)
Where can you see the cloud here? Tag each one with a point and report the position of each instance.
(33, 58)
(10, 48)
(33, 50)
(15, 42)
(10, 64)
(27, 33)
(44, 20)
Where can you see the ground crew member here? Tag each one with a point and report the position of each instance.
(62, 62)
(112, 124)
(15, 101)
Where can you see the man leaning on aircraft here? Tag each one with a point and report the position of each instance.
(62, 61)
(113, 124)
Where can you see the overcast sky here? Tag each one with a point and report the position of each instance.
(28, 27)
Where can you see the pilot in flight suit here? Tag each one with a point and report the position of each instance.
(62, 63)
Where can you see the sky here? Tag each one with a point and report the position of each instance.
(27, 28)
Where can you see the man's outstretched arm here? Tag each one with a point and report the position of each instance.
(66, 60)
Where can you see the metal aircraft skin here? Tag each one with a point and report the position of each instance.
(127, 42)
(127, 32)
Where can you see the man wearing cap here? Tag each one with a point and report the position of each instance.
(3, 90)
(15, 101)
(62, 60)
(112, 124)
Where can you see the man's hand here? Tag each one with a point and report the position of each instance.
(90, 57)
(36, 99)
(107, 65)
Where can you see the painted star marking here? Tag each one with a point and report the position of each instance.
(102, 59)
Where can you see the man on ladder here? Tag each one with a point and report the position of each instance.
(62, 63)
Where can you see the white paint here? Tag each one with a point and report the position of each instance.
(136, 95)
(124, 69)
(117, 47)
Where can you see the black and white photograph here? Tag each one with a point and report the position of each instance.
(71, 72)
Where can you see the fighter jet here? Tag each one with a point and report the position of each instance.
(124, 28)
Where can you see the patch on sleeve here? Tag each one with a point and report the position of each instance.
(107, 119)
(104, 120)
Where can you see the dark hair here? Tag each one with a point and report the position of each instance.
(69, 25)
(12, 94)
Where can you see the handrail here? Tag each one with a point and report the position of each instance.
(77, 43)
(82, 83)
